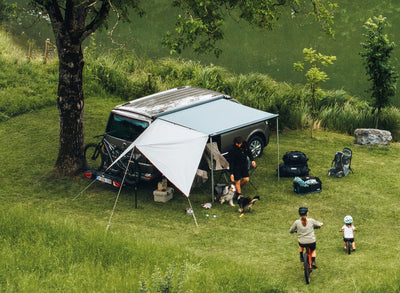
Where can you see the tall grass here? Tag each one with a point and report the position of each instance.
(128, 78)
(26, 86)
(119, 74)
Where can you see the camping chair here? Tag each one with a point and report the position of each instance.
(217, 166)
(220, 165)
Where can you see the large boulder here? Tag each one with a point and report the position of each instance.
(371, 136)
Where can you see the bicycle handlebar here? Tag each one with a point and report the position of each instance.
(97, 136)
(104, 134)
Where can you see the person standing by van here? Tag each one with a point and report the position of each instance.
(238, 158)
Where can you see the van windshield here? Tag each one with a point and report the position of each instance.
(125, 128)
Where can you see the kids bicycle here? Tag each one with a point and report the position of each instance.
(307, 265)
(349, 245)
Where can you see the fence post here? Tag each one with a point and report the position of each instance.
(30, 50)
(46, 50)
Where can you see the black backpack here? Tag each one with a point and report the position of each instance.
(294, 164)
(341, 164)
(293, 171)
(295, 158)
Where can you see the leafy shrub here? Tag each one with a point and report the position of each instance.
(390, 120)
(169, 70)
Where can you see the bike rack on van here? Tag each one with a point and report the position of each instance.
(104, 178)
(109, 179)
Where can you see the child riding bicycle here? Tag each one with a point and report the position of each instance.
(348, 230)
(305, 231)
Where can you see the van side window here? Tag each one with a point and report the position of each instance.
(125, 128)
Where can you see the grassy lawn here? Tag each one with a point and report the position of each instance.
(52, 240)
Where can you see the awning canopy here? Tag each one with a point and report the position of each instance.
(217, 116)
(174, 150)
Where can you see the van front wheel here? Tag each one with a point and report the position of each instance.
(256, 146)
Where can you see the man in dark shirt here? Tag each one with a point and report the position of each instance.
(238, 163)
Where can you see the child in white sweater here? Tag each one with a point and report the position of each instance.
(348, 230)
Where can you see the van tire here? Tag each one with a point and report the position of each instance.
(256, 145)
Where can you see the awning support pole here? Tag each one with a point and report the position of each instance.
(277, 143)
(212, 169)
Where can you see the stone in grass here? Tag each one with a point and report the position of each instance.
(371, 136)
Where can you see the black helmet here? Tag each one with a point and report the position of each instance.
(303, 211)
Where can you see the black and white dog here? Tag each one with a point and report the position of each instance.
(246, 203)
(225, 193)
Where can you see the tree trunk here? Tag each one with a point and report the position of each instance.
(70, 104)
(70, 30)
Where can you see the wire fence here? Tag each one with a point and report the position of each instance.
(49, 51)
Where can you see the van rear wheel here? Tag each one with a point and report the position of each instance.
(256, 146)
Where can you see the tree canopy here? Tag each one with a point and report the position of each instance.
(376, 52)
(314, 76)
(6, 10)
(200, 23)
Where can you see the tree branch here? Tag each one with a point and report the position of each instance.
(53, 9)
(98, 20)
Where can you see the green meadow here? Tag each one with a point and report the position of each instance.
(53, 236)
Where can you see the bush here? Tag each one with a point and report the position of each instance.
(390, 120)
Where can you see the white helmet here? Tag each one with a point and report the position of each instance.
(348, 219)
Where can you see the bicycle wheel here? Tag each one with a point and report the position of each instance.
(307, 269)
(93, 156)
(348, 243)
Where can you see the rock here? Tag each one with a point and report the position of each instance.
(371, 136)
